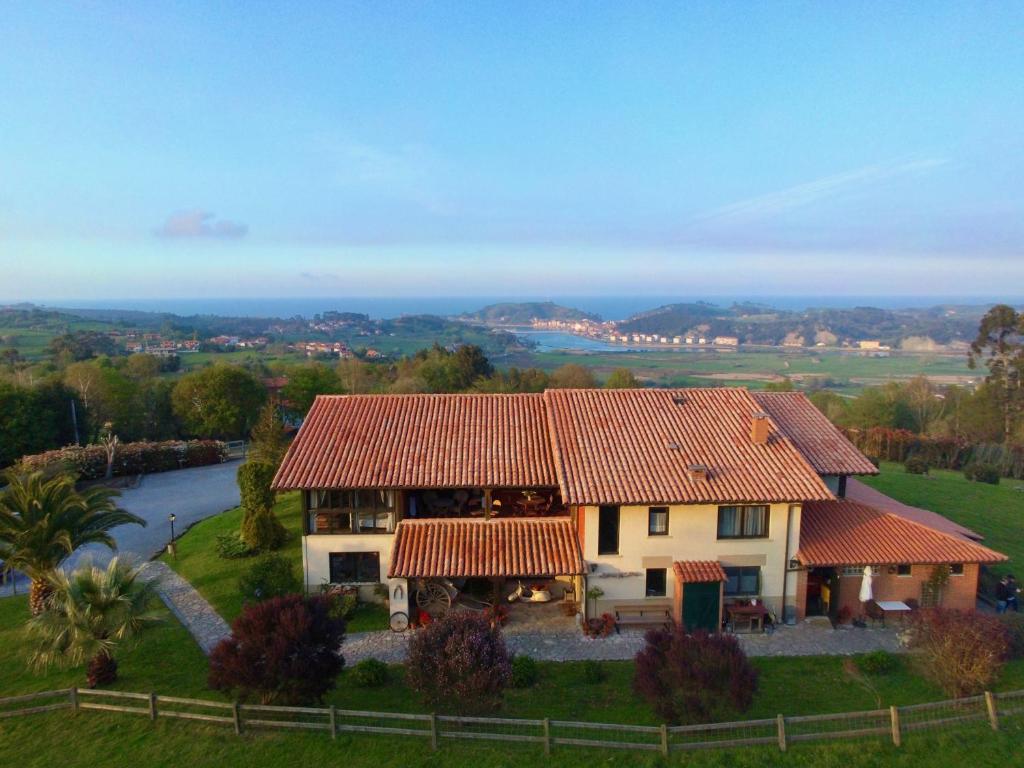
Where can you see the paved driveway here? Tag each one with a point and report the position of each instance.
(191, 494)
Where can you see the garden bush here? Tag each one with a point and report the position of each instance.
(231, 547)
(982, 473)
(525, 672)
(1014, 625)
(254, 481)
(369, 673)
(916, 465)
(961, 651)
(594, 672)
(270, 576)
(280, 651)
(261, 530)
(460, 662)
(878, 663)
(89, 462)
(694, 677)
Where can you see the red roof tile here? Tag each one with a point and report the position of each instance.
(864, 494)
(634, 446)
(421, 441)
(693, 571)
(463, 548)
(845, 532)
(824, 446)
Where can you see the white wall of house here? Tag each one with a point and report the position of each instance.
(692, 535)
(316, 550)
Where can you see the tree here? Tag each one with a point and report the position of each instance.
(925, 403)
(356, 376)
(268, 441)
(461, 661)
(621, 378)
(89, 615)
(261, 530)
(34, 419)
(694, 677)
(961, 651)
(513, 380)
(42, 521)
(786, 385)
(573, 376)
(305, 382)
(1000, 344)
(80, 345)
(284, 650)
(221, 401)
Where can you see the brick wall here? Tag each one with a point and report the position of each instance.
(958, 593)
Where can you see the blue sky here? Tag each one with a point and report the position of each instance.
(251, 149)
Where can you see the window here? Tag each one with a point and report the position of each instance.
(902, 569)
(657, 521)
(743, 522)
(742, 581)
(351, 511)
(656, 582)
(858, 570)
(355, 567)
(608, 531)
(956, 569)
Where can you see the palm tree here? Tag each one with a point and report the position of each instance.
(43, 520)
(91, 613)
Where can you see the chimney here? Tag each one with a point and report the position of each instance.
(697, 472)
(759, 429)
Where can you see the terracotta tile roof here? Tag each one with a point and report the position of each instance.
(824, 446)
(463, 548)
(845, 532)
(693, 571)
(859, 492)
(633, 446)
(421, 441)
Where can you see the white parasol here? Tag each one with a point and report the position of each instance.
(865, 585)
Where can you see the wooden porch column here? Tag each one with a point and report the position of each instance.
(487, 503)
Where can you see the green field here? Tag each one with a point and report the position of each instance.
(995, 511)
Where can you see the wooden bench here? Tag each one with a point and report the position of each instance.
(657, 615)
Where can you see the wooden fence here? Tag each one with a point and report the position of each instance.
(781, 731)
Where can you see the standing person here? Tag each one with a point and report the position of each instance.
(1002, 594)
(1013, 590)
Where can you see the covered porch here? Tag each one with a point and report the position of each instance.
(525, 573)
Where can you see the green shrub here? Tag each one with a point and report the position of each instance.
(594, 672)
(878, 663)
(231, 547)
(261, 530)
(270, 576)
(915, 465)
(89, 462)
(1014, 623)
(524, 672)
(254, 479)
(369, 673)
(982, 473)
(343, 606)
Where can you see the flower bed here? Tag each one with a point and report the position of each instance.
(89, 462)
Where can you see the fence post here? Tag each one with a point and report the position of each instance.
(433, 730)
(894, 715)
(547, 736)
(782, 732)
(73, 695)
(334, 723)
(993, 711)
(152, 706)
(664, 739)
(236, 714)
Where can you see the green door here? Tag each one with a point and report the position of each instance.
(700, 606)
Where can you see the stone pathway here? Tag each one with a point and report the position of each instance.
(806, 639)
(191, 608)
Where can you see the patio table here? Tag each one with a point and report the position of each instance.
(754, 614)
(892, 606)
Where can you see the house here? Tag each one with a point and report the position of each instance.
(726, 341)
(689, 501)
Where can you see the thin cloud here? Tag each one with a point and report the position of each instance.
(200, 223)
(811, 192)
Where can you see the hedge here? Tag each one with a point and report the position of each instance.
(937, 452)
(89, 462)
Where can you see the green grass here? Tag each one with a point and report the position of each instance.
(167, 661)
(995, 511)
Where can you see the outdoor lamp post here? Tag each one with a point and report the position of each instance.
(170, 545)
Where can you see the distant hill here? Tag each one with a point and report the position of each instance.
(759, 324)
(521, 313)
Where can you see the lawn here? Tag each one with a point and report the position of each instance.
(995, 511)
(217, 578)
(167, 661)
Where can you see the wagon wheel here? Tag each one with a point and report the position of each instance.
(433, 598)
